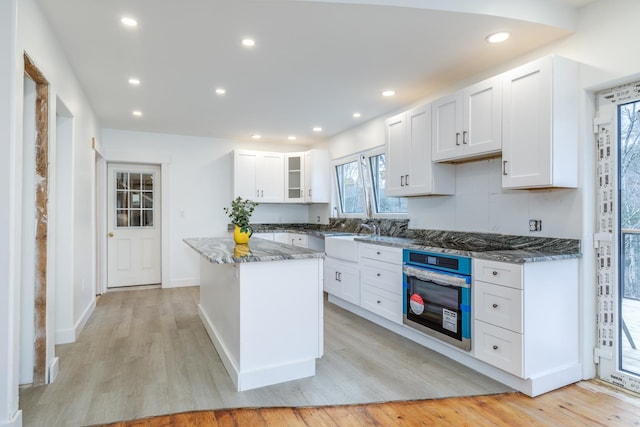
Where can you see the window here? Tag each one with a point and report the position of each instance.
(134, 199)
(349, 187)
(361, 180)
(383, 204)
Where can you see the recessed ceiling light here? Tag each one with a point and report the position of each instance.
(356, 115)
(291, 138)
(317, 129)
(221, 91)
(388, 92)
(256, 136)
(134, 82)
(248, 42)
(498, 37)
(129, 22)
(136, 113)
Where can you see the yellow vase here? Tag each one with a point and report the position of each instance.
(240, 236)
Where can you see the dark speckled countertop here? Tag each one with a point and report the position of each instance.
(496, 247)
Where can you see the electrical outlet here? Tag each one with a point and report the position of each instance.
(535, 225)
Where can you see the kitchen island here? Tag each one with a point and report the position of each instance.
(261, 305)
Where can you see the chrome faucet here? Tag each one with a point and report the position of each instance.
(373, 228)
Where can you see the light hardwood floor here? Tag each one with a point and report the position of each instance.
(145, 352)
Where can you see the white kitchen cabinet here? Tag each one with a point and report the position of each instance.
(294, 177)
(410, 171)
(258, 176)
(540, 125)
(526, 320)
(381, 280)
(317, 179)
(307, 177)
(468, 124)
(342, 279)
(263, 235)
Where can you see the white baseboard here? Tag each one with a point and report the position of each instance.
(16, 421)
(69, 335)
(182, 283)
(54, 367)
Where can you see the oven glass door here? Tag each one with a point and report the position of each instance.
(443, 308)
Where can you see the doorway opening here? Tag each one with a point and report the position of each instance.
(618, 231)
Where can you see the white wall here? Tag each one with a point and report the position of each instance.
(38, 41)
(199, 188)
(9, 234)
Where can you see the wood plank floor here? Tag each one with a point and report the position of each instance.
(586, 404)
(145, 353)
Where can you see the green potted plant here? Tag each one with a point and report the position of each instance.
(240, 214)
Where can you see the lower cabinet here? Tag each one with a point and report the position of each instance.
(526, 316)
(381, 281)
(342, 279)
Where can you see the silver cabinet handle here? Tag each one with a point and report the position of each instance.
(257, 193)
(309, 192)
(504, 167)
(495, 273)
(464, 137)
(406, 180)
(457, 138)
(261, 193)
(401, 180)
(495, 347)
(495, 306)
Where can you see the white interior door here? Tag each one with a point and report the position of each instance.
(133, 215)
(618, 236)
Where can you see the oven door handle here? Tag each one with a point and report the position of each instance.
(436, 277)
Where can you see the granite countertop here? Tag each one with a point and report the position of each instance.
(223, 250)
(513, 255)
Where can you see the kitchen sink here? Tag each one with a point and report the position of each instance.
(342, 247)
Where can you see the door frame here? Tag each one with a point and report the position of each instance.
(117, 156)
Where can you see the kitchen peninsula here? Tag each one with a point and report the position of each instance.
(261, 305)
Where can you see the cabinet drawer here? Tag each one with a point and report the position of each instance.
(498, 305)
(498, 347)
(381, 253)
(382, 303)
(381, 275)
(500, 273)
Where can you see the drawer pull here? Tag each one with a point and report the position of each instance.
(495, 347)
(494, 305)
(378, 301)
(495, 273)
(378, 274)
(378, 253)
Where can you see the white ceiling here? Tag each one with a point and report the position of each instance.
(315, 63)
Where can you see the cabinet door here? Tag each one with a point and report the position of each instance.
(398, 155)
(418, 179)
(482, 126)
(270, 178)
(244, 174)
(294, 177)
(446, 127)
(317, 169)
(331, 283)
(526, 143)
(342, 280)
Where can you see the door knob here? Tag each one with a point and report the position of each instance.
(111, 234)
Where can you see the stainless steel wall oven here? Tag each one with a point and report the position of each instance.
(437, 295)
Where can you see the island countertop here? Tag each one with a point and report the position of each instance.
(223, 250)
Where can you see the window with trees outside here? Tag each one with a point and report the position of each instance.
(361, 185)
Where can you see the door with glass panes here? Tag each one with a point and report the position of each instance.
(618, 235)
(133, 243)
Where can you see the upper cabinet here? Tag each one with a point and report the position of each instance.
(317, 180)
(540, 125)
(267, 177)
(468, 123)
(258, 175)
(294, 177)
(307, 177)
(410, 171)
